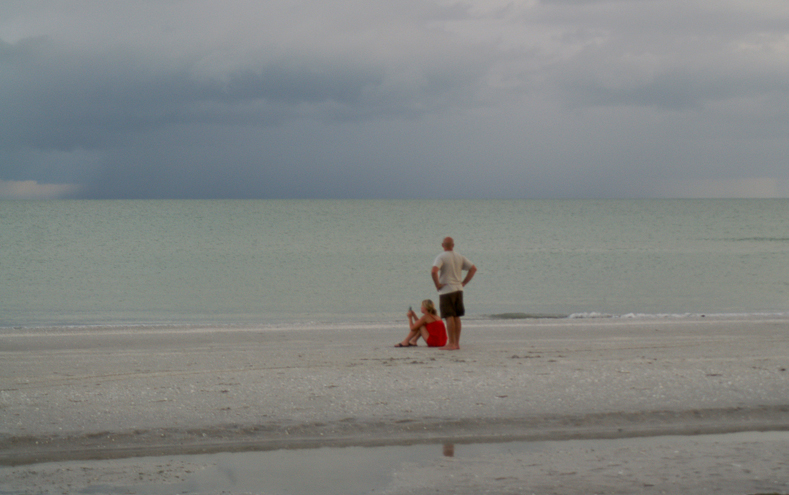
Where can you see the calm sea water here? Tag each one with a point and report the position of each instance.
(335, 261)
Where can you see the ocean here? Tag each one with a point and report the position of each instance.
(339, 262)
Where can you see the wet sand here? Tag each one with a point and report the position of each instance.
(76, 394)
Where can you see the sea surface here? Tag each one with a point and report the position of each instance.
(337, 262)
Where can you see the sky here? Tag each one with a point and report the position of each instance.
(397, 99)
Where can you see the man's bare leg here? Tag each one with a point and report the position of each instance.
(453, 334)
(450, 334)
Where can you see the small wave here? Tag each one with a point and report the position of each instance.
(525, 316)
(654, 316)
(762, 239)
(631, 316)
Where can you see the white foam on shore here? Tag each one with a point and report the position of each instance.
(647, 316)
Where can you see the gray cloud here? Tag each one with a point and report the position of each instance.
(534, 98)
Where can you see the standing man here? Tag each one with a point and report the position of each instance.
(448, 276)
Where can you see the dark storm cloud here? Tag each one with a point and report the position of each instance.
(65, 100)
(558, 98)
(61, 99)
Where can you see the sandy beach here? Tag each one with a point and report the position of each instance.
(113, 393)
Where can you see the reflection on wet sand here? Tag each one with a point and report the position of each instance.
(748, 462)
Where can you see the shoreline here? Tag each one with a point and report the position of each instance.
(111, 394)
(493, 319)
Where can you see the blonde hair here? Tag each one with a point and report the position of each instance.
(429, 306)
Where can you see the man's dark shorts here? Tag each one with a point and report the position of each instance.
(451, 304)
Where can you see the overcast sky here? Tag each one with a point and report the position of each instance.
(394, 99)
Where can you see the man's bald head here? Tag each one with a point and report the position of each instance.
(448, 244)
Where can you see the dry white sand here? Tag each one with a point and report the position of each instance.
(71, 394)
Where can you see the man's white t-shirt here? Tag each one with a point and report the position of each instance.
(450, 271)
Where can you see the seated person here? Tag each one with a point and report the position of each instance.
(429, 327)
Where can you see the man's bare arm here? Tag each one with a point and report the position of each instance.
(470, 275)
(434, 274)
